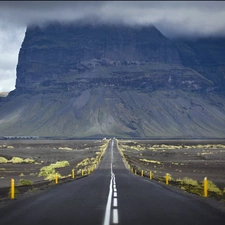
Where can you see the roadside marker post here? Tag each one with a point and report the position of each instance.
(82, 173)
(56, 178)
(142, 173)
(150, 175)
(12, 189)
(205, 187)
(167, 178)
(73, 174)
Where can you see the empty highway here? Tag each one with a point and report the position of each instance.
(110, 195)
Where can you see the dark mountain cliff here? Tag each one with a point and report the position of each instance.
(83, 81)
(54, 52)
(207, 57)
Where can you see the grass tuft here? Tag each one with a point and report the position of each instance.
(24, 182)
(3, 160)
(150, 161)
(49, 171)
(213, 188)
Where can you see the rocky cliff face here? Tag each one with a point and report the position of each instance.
(66, 57)
(206, 56)
(85, 81)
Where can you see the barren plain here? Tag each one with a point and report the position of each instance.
(187, 162)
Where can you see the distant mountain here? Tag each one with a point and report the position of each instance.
(109, 80)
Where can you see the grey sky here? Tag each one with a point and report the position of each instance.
(173, 19)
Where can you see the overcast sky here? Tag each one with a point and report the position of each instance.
(173, 19)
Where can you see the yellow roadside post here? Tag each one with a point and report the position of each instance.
(167, 178)
(205, 187)
(12, 189)
(73, 174)
(142, 173)
(82, 173)
(150, 175)
(56, 178)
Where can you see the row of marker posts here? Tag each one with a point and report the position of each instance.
(167, 175)
(90, 169)
(95, 166)
(205, 183)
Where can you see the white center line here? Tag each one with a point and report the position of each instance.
(108, 206)
(109, 201)
(112, 191)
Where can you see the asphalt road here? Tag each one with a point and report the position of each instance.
(110, 195)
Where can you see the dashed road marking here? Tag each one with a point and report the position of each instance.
(115, 216)
(108, 205)
(115, 203)
(112, 192)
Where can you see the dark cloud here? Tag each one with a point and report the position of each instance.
(181, 18)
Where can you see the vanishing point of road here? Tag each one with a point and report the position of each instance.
(110, 195)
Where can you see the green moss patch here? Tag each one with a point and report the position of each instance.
(16, 160)
(24, 182)
(48, 172)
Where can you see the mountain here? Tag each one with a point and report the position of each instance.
(80, 80)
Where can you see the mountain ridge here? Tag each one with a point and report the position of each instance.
(84, 81)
